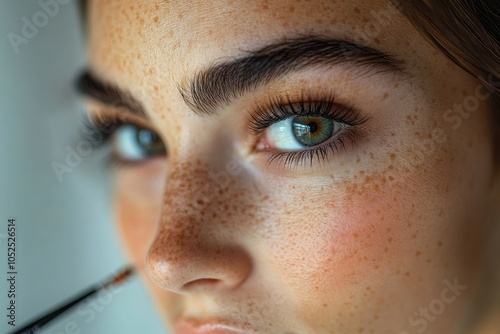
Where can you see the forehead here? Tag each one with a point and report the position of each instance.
(153, 43)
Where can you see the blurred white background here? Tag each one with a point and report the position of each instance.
(65, 235)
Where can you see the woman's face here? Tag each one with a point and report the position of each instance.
(306, 184)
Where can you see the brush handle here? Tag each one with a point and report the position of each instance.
(37, 325)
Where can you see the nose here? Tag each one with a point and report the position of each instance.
(197, 245)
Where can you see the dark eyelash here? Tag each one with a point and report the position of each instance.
(320, 152)
(280, 108)
(98, 129)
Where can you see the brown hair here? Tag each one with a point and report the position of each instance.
(466, 31)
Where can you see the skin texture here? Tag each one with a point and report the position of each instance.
(360, 243)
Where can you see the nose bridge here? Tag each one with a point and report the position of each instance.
(195, 243)
(196, 188)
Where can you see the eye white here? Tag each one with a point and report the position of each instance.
(280, 134)
(126, 144)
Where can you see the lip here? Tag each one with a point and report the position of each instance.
(208, 327)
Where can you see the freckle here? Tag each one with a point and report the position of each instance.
(372, 155)
(385, 96)
(356, 10)
(377, 41)
(325, 305)
(151, 70)
(429, 260)
(141, 21)
(407, 273)
(440, 243)
(386, 250)
(417, 254)
(156, 19)
(392, 155)
(292, 9)
(393, 133)
(180, 16)
(155, 88)
(390, 239)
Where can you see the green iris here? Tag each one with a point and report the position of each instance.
(150, 142)
(311, 131)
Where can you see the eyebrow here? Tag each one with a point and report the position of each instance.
(222, 83)
(109, 94)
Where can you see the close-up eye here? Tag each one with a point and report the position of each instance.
(305, 131)
(297, 133)
(131, 143)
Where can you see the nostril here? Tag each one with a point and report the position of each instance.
(201, 283)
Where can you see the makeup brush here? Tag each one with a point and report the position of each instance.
(37, 325)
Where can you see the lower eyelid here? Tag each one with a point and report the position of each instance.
(321, 153)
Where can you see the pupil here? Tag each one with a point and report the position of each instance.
(311, 131)
(313, 127)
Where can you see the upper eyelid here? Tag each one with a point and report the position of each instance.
(102, 113)
(262, 117)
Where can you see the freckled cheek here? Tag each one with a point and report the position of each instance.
(368, 238)
(345, 252)
(353, 240)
